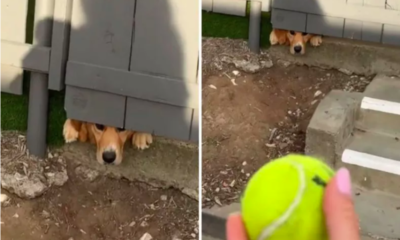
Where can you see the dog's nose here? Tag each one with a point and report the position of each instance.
(109, 156)
(297, 49)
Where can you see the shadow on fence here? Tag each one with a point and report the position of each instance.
(122, 67)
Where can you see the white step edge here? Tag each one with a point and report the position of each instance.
(371, 161)
(380, 105)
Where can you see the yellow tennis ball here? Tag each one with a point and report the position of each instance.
(283, 200)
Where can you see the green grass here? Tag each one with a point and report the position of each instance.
(221, 25)
(14, 108)
(14, 113)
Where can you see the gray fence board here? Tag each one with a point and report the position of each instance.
(144, 60)
(352, 29)
(159, 119)
(328, 26)
(391, 35)
(60, 43)
(371, 32)
(22, 55)
(160, 49)
(102, 31)
(231, 7)
(132, 84)
(283, 19)
(95, 106)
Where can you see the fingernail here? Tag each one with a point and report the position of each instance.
(343, 181)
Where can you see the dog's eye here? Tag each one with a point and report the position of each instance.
(304, 33)
(292, 32)
(100, 127)
(120, 129)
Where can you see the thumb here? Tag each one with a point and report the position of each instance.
(341, 219)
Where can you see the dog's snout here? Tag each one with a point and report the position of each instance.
(297, 49)
(109, 156)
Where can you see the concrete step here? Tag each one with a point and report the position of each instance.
(374, 161)
(380, 106)
(378, 212)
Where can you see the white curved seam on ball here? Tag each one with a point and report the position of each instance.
(285, 216)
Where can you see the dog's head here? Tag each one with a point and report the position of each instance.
(298, 41)
(110, 143)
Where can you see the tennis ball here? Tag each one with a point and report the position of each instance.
(283, 200)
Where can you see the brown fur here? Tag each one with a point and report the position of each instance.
(294, 39)
(107, 139)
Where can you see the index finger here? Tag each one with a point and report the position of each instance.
(235, 229)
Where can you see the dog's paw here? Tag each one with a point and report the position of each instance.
(69, 132)
(142, 140)
(273, 39)
(316, 41)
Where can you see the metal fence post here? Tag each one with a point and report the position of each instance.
(254, 26)
(38, 92)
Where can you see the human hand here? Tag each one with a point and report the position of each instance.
(341, 219)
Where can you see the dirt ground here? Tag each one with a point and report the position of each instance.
(102, 209)
(255, 109)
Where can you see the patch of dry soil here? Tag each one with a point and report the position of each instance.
(251, 118)
(87, 206)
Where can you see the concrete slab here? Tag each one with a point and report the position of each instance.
(355, 56)
(165, 164)
(378, 212)
(331, 125)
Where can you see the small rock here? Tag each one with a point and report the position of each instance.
(317, 93)
(49, 155)
(132, 224)
(164, 197)
(235, 72)
(24, 186)
(144, 224)
(328, 74)
(146, 236)
(244, 163)
(284, 63)
(16, 215)
(217, 189)
(57, 178)
(267, 64)
(314, 102)
(247, 66)
(45, 214)
(216, 199)
(86, 173)
(70, 238)
(345, 71)
(212, 86)
(3, 198)
(232, 183)
(193, 235)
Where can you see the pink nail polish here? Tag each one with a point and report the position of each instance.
(343, 181)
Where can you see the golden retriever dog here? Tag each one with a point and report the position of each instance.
(110, 141)
(296, 40)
